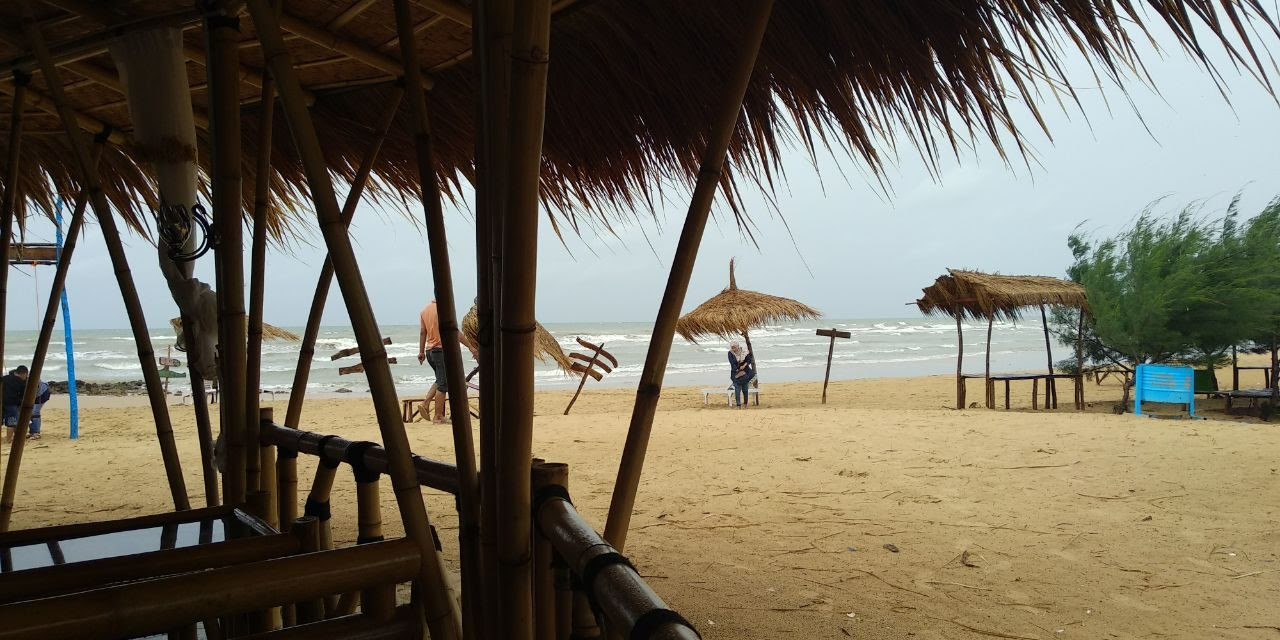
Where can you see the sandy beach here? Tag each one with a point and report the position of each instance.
(882, 514)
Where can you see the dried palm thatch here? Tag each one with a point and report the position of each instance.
(548, 347)
(269, 332)
(628, 96)
(734, 312)
(974, 295)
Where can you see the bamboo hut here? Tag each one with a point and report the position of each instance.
(735, 312)
(586, 107)
(975, 295)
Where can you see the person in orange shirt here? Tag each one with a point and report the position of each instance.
(431, 350)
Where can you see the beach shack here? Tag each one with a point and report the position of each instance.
(972, 295)
(190, 121)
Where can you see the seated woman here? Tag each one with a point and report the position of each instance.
(741, 371)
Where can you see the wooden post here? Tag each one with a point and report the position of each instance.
(959, 360)
(710, 174)
(255, 466)
(1080, 361)
(37, 359)
(545, 475)
(1235, 369)
(307, 531)
(1050, 389)
(204, 427)
(987, 375)
(589, 369)
(119, 262)
(460, 414)
(833, 333)
(517, 326)
(270, 486)
(437, 606)
(9, 205)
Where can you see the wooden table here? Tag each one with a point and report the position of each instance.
(1050, 388)
(1266, 374)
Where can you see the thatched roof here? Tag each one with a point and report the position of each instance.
(632, 82)
(973, 294)
(269, 332)
(734, 311)
(548, 346)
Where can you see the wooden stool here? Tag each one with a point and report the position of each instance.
(408, 409)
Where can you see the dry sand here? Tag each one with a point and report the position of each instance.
(777, 522)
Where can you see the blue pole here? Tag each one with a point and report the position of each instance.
(66, 337)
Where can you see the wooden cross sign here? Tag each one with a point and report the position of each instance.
(355, 368)
(590, 368)
(833, 334)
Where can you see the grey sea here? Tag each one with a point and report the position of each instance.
(879, 347)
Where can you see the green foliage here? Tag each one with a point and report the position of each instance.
(1177, 289)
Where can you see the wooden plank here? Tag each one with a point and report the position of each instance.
(352, 351)
(578, 368)
(41, 253)
(832, 333)
(358, 368)
(578, 356)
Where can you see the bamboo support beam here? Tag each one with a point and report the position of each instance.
(547, 474)
(221, 34)
(433, 474)
(442, 276)
(9, 203)
(710, 174)
(441, 617)
(257, 290)
(152, 606)
(204, 427)
(335, 42)
(403, 624)
(44, 103)
(128, 291)
(529, 56)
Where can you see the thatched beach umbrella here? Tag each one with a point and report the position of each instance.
(269, 332)
(734, 312)
(548, 348)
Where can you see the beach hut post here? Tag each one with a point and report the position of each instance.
(9, 205)
(491, 40)
(436, 605)
(546, 476)
(438, 250)
(204, 426)
(119, 261)
(1050, 389)
(517, 326)
(16, 448)
(959, 359)
(710, 175)
(223, 59)
(986, 376)
(270, 484)
(259, 460)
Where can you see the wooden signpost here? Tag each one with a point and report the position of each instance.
(355, 368)
(833, 334)
(590, 368)
(166, 361)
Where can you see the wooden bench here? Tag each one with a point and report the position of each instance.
(728, 395)
(409, 409)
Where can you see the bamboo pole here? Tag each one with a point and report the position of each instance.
(403, 624)
(710, 174)
(516, 316)
(959, 360)
(1050, 389)
(32, 388)
(9, 206)
(545, 475)
(204, 428)
(120, 263)
(307, 530)
(257, 289)
(491, 39)
(460, 414)
(223, 67)
(441, 618)
(986, 377)
(435, 474)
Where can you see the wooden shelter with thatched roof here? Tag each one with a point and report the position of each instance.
(185, 120)
(975, 295)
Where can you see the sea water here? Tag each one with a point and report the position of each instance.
(879, 347)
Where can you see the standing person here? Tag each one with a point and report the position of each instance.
(431, 350)
(741, 371)
(11, 389)
(42, 396)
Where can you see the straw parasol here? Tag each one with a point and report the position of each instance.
(734, 312)
(548, 346)
(269, 332)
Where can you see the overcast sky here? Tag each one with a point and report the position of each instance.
(851, 250)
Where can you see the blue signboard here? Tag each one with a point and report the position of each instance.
(1164, 383)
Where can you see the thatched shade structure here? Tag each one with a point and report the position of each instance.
(587, 106)
(735, 312)
(975, 295)
(269, 332)
(548, 347)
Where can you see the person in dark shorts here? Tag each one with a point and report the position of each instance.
(11, 388)
(431, 350)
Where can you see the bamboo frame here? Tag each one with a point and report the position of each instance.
(434, 474)
(129, 293)
(455, 376)
(516, 322)
(8, 206)
(257, 289)
(45, 103)
(307, 530)
(204, 428)
(710, 174)
(223, 65)
(403, 624)
(544, 592)
(442, 620)
(151, 606)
